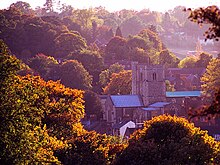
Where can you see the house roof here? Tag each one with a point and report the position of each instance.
(184, 94)
(126, 101)
(159, 104)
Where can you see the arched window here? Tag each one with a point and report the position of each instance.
(154, 76)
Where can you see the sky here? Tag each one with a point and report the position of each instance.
(115, 5)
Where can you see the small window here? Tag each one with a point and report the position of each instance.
(154, 76)
(141, 77)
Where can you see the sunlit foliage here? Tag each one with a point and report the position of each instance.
(210, 79)
(120, 83)
(170, 140)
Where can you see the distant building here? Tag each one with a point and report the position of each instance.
(185, 79)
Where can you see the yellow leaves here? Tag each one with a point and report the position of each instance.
(35, 96)
(43, 145)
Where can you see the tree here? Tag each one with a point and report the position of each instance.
(91, 60)
(179, 14)
(139, 54)
(84, 17)
(91, 148)
(49, 6)
(72, 26)
(168, 59)
(24, 7)
(42, 64)
(23, 104)
(204, 59)
(170, 140)
(210, 78)
(34, 114)
(74, 75)
(167, 23)
(188, 62)
(93, 105)
(120, 83)
(208, 15)
(153, 38)
(105, 75)
(137, 41)
(9, 64)
(116, 49)
(132, 26)
(67, 43)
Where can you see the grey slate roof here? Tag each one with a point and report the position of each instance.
(184, 94)
(126, 101)
(150, 109)
(159, 104)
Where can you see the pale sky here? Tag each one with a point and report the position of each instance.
(114, 5)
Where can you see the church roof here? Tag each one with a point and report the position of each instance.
(126, 101)
(150, 109)
(159, 104)
(184, 94)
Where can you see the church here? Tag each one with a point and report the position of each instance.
(148, 99)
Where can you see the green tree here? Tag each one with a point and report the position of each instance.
(170, 140)
(74, 75)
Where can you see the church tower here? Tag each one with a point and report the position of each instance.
(148, 81)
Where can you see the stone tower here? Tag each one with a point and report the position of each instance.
(148, 81)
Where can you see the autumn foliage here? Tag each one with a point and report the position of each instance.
(120, 83)
(170, 140)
